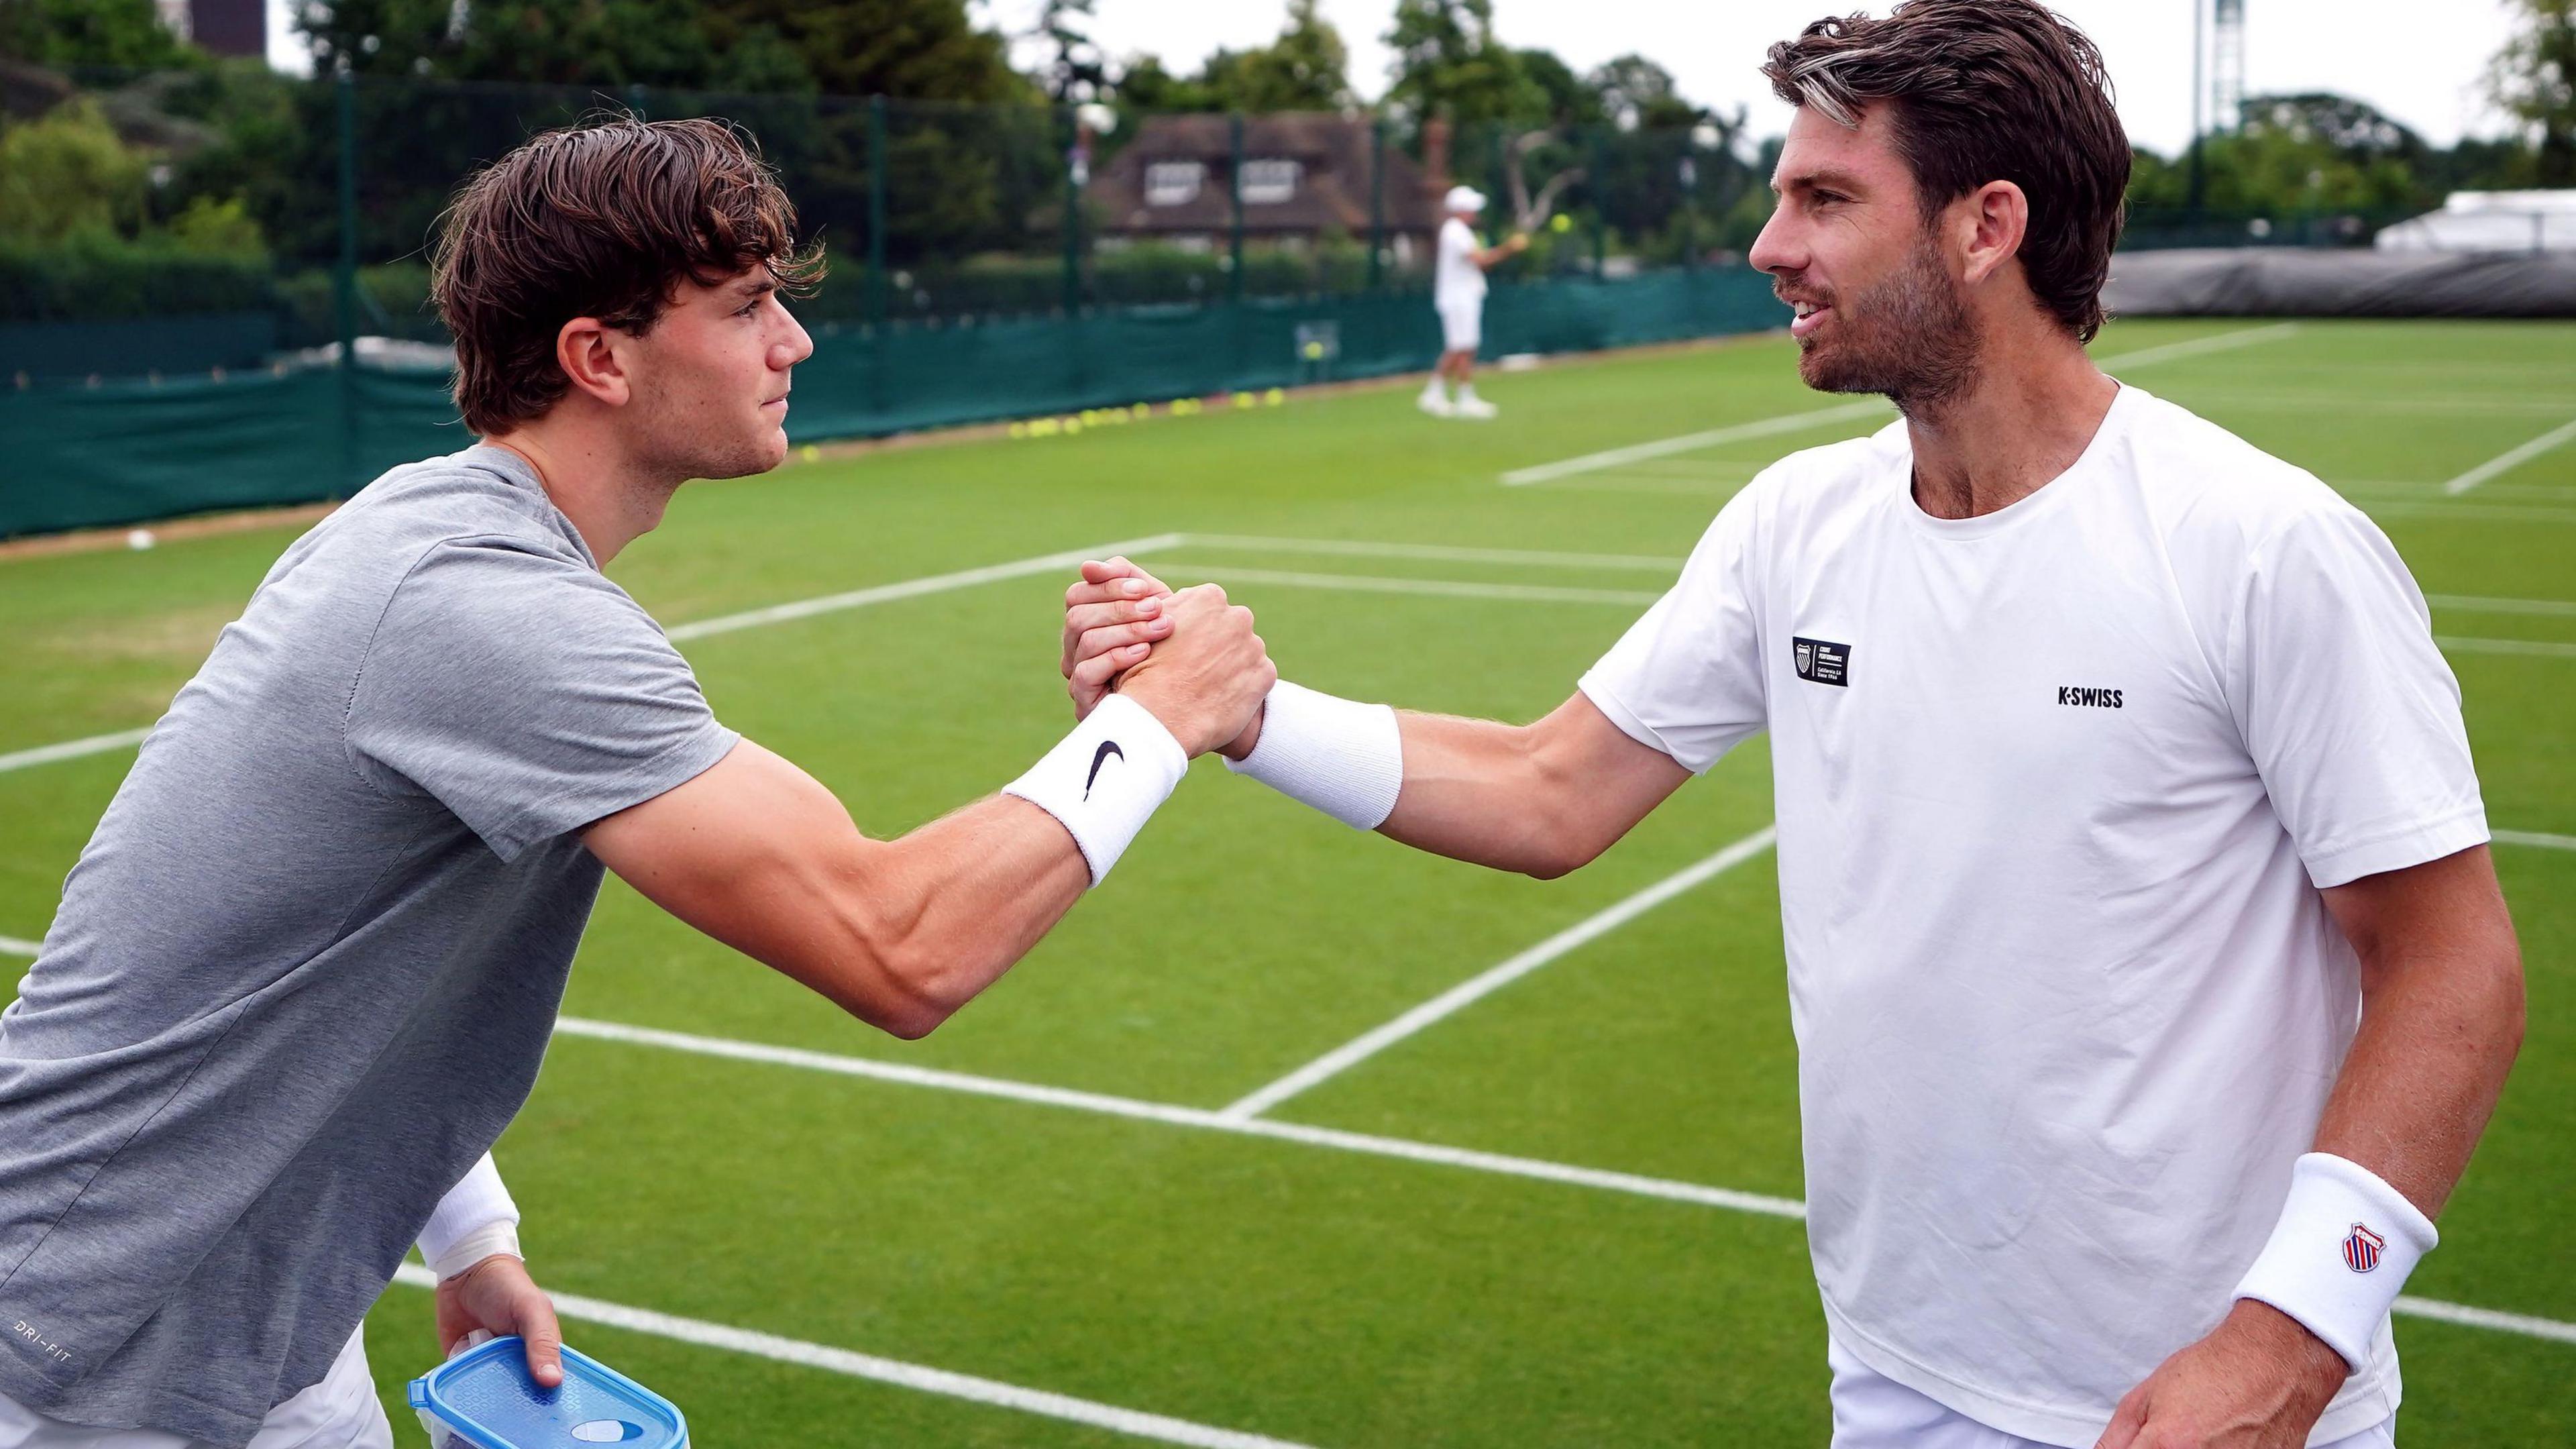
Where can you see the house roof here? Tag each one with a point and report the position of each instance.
(1330, 190)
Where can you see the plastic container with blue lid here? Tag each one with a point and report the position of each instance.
(484, 1399)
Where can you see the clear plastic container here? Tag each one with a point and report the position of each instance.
(484, 1399)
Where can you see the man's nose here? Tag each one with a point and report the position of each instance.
(1774, 250)
(792, 349)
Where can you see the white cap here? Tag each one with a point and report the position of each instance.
(1464, 198)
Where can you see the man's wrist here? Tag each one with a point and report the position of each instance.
(1337, 755)
(2340, 1254)
(495, 1239)
(1240, 748)
(1103, 780)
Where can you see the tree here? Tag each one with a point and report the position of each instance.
(1639, 94)
(1078, 71)
(1448, 63)
(67, 175)
(2534, 80)
(120, 33)
(1306, 69)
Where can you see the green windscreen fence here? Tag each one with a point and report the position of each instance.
(223, 303)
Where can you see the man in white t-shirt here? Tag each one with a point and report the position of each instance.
(2150, 977)
(1458, 294)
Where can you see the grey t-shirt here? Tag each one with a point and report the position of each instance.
(306, 968)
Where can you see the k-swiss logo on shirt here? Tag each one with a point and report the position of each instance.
(2097, 698)
(2361, 1249)
(1821, 661)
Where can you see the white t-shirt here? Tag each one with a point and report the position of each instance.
(1456, 280)
(2057, 789)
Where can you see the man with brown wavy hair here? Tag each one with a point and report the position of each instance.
(2149, 975)
(304, 972)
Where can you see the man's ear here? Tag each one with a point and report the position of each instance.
(1992, 220)
(586, 349)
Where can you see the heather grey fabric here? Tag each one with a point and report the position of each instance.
(305, 970)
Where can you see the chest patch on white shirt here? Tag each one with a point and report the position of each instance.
(1821, 661)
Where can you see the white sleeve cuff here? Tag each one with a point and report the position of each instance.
(2340, 1254)
(1104, 780)
(1344, 758)
(476, 1218)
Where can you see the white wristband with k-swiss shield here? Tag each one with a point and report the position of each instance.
(1106, 778)
(2340, 1254)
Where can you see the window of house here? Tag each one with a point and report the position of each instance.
(1269, 182)
(1173, 183)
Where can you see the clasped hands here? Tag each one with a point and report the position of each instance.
(1190, 658)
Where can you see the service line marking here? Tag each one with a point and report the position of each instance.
(1466, 993)
(1818, 417)
(1444, 588)
(926, 1380)
(1376, 548)
(2540, 839)
(2511, 459)
(12, 946)
(1434, 1154)
(724, 624)
(2562, 608)
(2539, 647)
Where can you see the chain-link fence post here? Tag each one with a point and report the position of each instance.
(1377, 201)
(345, 280)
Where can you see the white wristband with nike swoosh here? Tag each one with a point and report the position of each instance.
(2340, 1254)
(1106, 778)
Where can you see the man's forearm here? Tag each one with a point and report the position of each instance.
(1486, 793)
(2438, 1035)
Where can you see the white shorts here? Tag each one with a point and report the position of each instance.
(1873, 1411)
(341, 1412)
(1462, 325)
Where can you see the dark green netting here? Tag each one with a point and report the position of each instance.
(81, 455)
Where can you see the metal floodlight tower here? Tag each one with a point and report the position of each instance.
(2227, 65)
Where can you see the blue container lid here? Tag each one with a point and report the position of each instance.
(486, 1397)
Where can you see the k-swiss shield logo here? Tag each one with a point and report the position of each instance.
(2361, 1249)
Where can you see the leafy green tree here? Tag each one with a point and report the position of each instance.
(1306, 69)
(2534, 80)
(66, 176)
(1448, 63)
(2314, 152)
(1635, 91)
(121, 33)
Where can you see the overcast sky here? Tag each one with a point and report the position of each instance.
(2420, 62)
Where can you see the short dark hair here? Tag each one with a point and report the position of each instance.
(600, 220)
(1982, 91)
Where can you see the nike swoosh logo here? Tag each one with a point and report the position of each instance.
(1100, 757)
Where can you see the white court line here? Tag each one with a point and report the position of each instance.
(2467, 605)
(886, 1371)
(915, 588)
(2468, 512)
(1371, 548)
(12, 946)
(2194, 347)
(1664, 447)
(2538, 647)
(2461, 1313)
(1467, 993)
(1444, 588)
(724, 624)
(1424, 1152)
(1198, 1117)
(72, 749)
(1818, 417)
(2511, 459)
(2534, 837)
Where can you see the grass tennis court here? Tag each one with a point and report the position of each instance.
(1561, 1213)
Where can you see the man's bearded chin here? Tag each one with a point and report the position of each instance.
(1908, 337)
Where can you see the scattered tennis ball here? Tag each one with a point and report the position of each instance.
(1274, 397)
(1314, 352)
(1142, 411)
(1019, 430)
(1561, 222)
(1073, 425)
(139, 539)
(811, 453)
(1243, 399)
